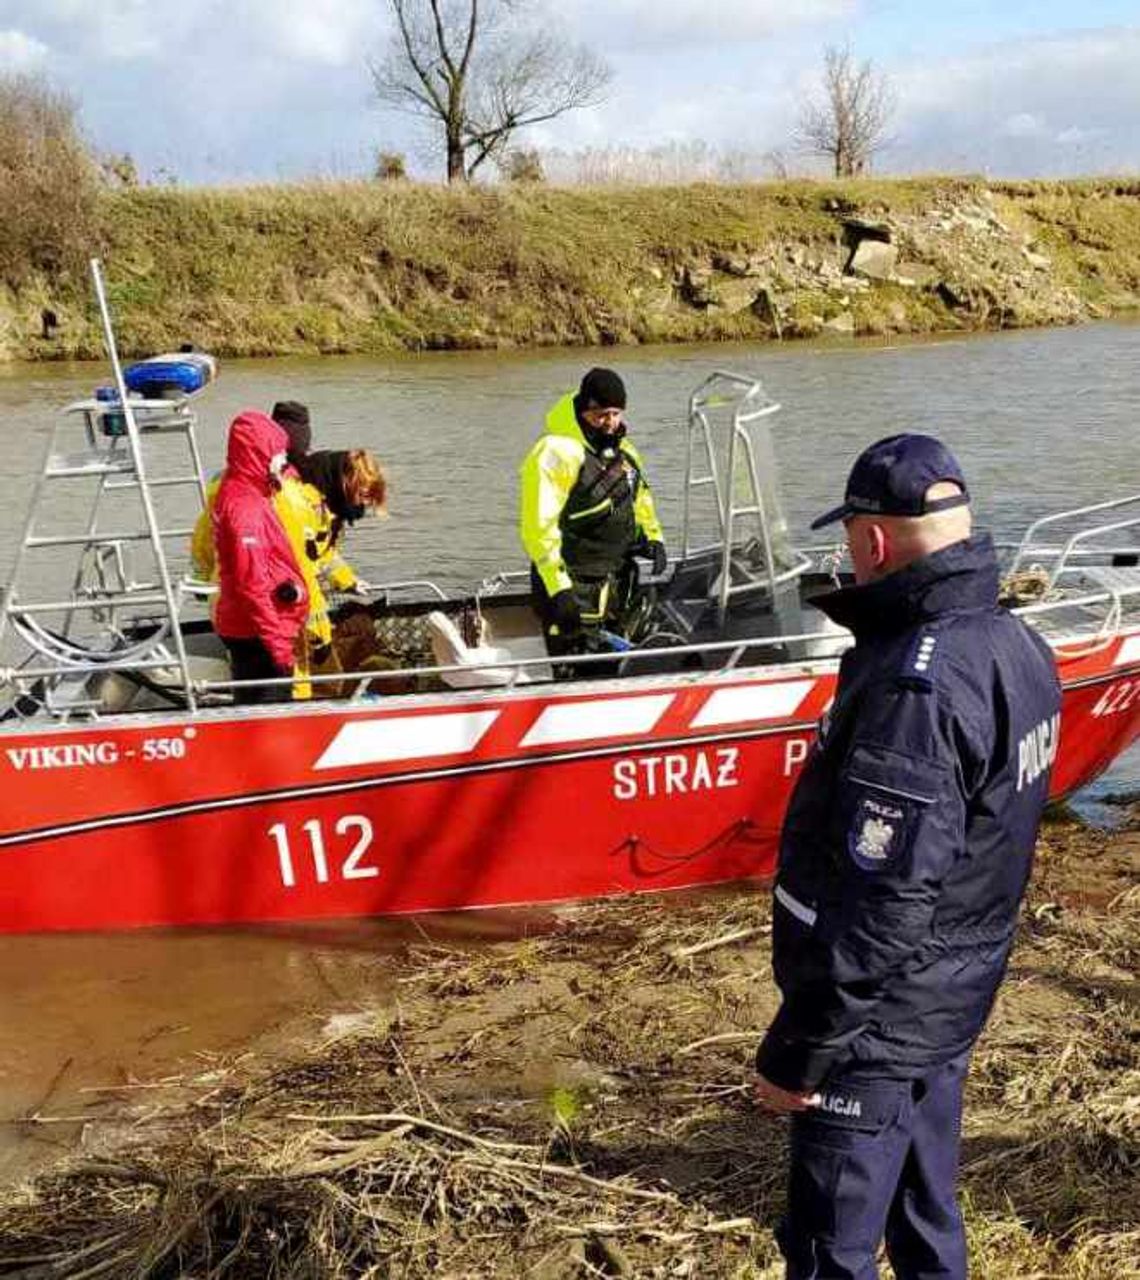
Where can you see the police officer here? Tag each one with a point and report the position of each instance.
(585, 508)
(903, 860)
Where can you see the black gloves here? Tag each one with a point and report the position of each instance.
(565, 612)
(655, 553)
(660, 557)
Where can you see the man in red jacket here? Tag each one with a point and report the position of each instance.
(262, 601)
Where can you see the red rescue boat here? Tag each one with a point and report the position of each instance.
(136, 794)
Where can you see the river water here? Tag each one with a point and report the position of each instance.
(1039, 420)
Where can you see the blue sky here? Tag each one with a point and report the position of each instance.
(238, 90)
(898, 28)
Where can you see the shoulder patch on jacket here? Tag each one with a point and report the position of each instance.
(883, 795)
(921, 661)
(879, 831)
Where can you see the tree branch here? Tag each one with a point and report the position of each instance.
(387, 80)
(471, 28)
(506, 78)
(441, 40)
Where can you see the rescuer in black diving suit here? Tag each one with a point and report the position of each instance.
(585, 510)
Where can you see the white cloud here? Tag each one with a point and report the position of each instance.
(1023, 125)
(328, 32)
(216, 90)
(234, 89)
(244, 88)
(641, 24)
(20, 52)
(178, 32)
(1075, 137)
(1050, 105)
(120, 29)
(993, 110)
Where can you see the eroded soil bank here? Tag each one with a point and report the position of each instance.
(575, 1104)
(373, 267)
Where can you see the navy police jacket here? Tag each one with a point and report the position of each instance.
(909, 838)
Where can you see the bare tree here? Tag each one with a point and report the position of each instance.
(474, 69)
(849, 122)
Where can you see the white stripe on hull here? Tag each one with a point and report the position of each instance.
(747, 704)
(596, 718)
(406, 738)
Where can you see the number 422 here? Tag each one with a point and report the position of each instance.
(350, 868)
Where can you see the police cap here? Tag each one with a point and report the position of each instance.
(892, 476)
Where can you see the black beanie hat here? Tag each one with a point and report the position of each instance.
(293, 418)
(603, 388)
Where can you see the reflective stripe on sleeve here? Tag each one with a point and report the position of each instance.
(804, 914)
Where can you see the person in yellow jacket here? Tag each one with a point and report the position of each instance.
(320, 492)
(339, 487)
(585, 509)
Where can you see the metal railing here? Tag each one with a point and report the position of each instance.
(733, 651)
(1026, 546)
(1094, 635)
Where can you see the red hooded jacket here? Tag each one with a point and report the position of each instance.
(261, 593)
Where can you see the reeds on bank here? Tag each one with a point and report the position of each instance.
(575, 1104)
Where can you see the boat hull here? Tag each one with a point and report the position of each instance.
(442, 802)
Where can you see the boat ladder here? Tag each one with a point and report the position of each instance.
(131, 469)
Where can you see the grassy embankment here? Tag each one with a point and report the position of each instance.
(374, 267)
(575, 1105)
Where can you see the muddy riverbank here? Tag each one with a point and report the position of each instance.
(573, 1103)
(375, 267)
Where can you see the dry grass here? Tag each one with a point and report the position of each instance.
(47, 184)
(368, 267)
(575, 1105)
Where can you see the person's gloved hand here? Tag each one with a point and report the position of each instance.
(655, 553)
(565, 612)
(360, 588)
(660, 557)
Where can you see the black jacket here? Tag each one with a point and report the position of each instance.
(909, 839)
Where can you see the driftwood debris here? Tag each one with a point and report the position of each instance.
(576, 1105)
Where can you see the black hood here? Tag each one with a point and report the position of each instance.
(324, 470)
(961, 576)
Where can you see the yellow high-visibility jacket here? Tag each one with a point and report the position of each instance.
(548, 475)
